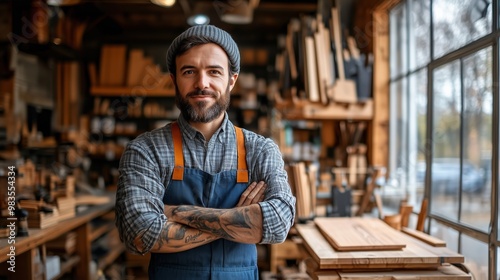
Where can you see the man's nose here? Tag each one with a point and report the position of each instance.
(203, 81)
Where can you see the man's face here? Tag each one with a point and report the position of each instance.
(203, 83)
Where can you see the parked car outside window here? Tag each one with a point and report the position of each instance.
(445, 177)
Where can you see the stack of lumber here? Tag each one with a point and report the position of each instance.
(443, 272)
(113, 65)
(38, 218)
(367, 248)
(120, 66)
(312, 60)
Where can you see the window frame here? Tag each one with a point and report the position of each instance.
(492, 40)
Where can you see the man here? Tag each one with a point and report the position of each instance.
(184, 193)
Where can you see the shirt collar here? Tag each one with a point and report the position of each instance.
(191, 133)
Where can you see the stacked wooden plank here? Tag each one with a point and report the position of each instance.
(38, 218)
(42, 215)
(301, 187)
(444, 272)
(112, 67)
(367, 248)
(311, 60)
(120, 66)
(68, 92)
(357, 234)
(66, 207)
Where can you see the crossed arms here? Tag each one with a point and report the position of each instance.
(146, 224)
(190, 226)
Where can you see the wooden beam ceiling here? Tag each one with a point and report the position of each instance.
(142, 18)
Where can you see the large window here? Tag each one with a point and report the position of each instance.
(444, 120)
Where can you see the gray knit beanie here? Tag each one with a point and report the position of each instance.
(213, 34)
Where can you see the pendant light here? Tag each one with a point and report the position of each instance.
(163, 3)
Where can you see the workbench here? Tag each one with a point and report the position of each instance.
(28, 248)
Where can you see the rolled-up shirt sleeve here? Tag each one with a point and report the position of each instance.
(139, 207)
(278, 208)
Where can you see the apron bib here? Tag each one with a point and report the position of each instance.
(220, 259)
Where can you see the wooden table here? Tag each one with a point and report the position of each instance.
(417, 258)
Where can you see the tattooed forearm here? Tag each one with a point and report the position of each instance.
(203, 219)
(176, 237)
(193, 238)
(242, 224)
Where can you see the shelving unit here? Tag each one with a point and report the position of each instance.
(67, 266)
(118, 114)
(301, 110)
(110, 257)
(100, 230)
(26, 248)
(135, 91)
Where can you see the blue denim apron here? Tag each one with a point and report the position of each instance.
(220, 259)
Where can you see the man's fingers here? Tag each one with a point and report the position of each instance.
(249, 189)
(245, 194)
(260, 195)
(252, 194)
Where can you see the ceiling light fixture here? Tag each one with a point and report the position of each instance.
(196, 16)
(198, 19)
(163, 3)
(63, 2)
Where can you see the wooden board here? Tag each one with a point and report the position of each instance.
(299, 182)
(343, 90)
(135, 67)
(320, 67)
(379, 130)
(332, 111)
(310, 66)
(304, 188)
(444, 272)
(416, 255)
(431, 240)
(359, 234)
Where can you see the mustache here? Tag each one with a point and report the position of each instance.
(201, 92)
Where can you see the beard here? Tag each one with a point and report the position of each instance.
(200, 111)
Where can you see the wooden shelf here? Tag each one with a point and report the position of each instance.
(136, 91)
(67, 266)
(333, 111)
(100, 230)
(26, 247)
(111, 256)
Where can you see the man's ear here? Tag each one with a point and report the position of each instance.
(172, 77)
(232, 81)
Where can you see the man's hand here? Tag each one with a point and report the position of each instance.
(253, 194)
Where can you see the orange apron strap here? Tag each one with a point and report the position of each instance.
(242, 172)
(178, 173)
